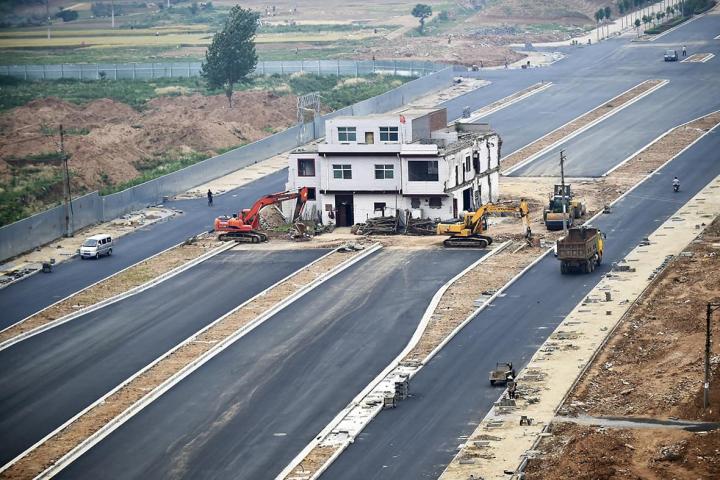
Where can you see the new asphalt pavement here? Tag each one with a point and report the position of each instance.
(52, 376)
(246, 413)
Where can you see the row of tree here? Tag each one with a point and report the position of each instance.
(669, 9)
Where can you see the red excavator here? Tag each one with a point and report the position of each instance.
(243, 227)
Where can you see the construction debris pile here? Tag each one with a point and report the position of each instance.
(395, 225)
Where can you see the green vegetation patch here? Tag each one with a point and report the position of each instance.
(29, 190)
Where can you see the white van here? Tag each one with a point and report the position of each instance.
(95, 246)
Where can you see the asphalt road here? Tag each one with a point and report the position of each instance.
(26, 297)
(50, 377)
(246, 413)
(452, 394)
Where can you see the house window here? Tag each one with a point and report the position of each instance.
(369, 138)
(415, 202)
(306, 167)
(423, 171)
(384, 172)
(379, 207)
(467, 163)
(347, 134)
(435, 202)
(311, 193)
(343, 171)
(388, 134)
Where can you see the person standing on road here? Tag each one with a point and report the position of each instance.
(684, 51)
(210, 199)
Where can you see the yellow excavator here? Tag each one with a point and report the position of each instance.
(469, 232)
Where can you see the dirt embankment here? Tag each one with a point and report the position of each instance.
(652, 367)
(110, 143)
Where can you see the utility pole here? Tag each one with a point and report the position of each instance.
(711, 307)
(67, 198)
(112, 13)
(564, 197)
(47, 12)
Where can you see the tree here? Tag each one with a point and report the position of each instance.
(608, 12)
(637, 23)
(67, 15)
(231, 56)
(421, 12)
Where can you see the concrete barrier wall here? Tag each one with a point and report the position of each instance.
(148, 71)
(44, 227)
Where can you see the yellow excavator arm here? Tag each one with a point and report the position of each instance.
(470, 231)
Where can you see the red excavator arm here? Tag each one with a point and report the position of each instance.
(242, 227)
(251, 215)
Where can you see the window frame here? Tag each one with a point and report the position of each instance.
(384, 169)
(312, 193)
(386, 134)
(433, 165)
(342, 169)
(300, 170)
(347, 132)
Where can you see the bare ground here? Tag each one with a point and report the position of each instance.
(120, 139)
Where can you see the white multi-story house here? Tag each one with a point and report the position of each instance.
(371, 166)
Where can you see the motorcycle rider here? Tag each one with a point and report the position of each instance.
(676, 184)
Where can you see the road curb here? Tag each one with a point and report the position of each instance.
(158, 391)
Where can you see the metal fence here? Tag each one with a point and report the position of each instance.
(46, 226)
(147, 71)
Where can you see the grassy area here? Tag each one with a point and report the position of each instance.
(33, 56)
(336, 92)
(666, 26)
(29, 191)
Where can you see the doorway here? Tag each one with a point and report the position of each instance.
(467, 199)
(344, 207)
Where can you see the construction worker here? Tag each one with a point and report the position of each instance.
(684, 51)
(210, 199)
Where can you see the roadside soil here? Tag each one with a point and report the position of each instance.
(119, 140)
(651, 367)
(522, 154)
(597, 453)
(182, 357)
(122, 282)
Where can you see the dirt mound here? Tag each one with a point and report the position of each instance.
(109, 142)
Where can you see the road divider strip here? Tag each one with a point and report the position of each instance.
(62, 446)
(660, 35)
(506, 102)
(698, 58)
(531, 152)
(557, 365)
(158, 265)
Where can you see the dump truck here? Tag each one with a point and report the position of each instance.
(581, 250)
(553, 214)
(502, 372)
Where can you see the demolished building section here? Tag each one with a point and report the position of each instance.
(411, 161)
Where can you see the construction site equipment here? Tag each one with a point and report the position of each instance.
(581, 250)
(243, 227)
(395, 225)
(469, 232)
(502, 372)
(574, 208)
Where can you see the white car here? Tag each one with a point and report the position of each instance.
(96, 246)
